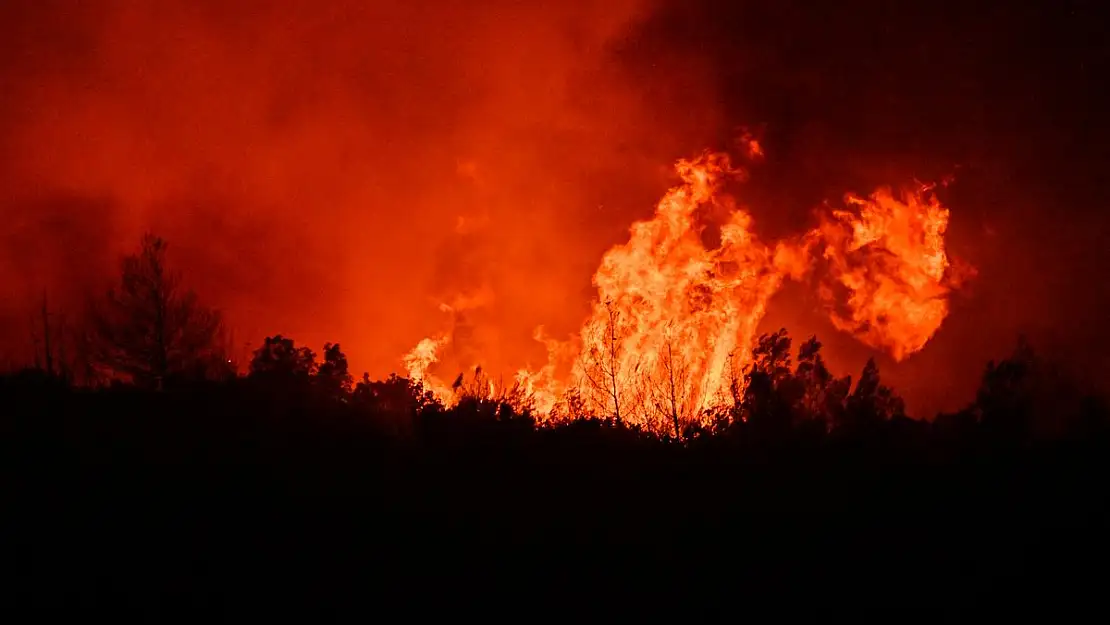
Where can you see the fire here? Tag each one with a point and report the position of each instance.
(421, 358)
(678, 306)
(674, 316)
(890, 262)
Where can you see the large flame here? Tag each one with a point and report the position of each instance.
(678, 305)
(890, 262)
(673, 315)
(420, 360)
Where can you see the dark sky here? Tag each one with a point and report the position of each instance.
(1008, 97)
(335, 170)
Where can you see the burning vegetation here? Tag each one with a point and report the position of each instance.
(672, 329)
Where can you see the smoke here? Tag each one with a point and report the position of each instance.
(331, 171)
(335, 171)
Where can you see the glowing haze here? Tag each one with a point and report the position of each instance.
(326, 170)
(383, 171)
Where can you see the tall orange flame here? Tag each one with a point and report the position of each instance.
(677, 310)
(418, 362)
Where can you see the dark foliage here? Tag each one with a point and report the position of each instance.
(149, 329)
(292, 493)
(281, 360)
(288, 494)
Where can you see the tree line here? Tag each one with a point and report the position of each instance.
(151, 332)
(156, 480)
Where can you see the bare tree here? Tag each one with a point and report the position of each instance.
(603, 372)
(669, 394)
(614, 366)
(726, 408)
(150, 328)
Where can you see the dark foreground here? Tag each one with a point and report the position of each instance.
(143, 506)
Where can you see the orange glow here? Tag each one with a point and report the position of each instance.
(308, 162)
(677, 310)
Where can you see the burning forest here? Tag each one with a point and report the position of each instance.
(553, 311)
(674, 322)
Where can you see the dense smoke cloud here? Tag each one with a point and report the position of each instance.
(338, 170)
(333, 171)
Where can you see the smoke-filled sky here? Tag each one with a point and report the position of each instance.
(335, 170)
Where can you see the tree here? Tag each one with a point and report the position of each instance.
(280, 358)
(767, 405)
(872, 402)
(149, 328)
(611, 366)
(603, 371)
(668, 394)
(394, 396)
(395, 402)
(823, 396)
(333, 375)
(1026, 395)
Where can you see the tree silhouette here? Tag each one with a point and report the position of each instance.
(333, 376)
(603, 371)
(871, 402)
(777, 399)
(1012, 390)
(822, 395)
(668, 395)
(280, 449)
(767, 405)
(393, 396)
(150, 328)
(280, 358)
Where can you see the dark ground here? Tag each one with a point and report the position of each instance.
(223, 503)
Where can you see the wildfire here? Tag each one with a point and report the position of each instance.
(673, 315)
(677, 311)
(890, 261)
(421, 358)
